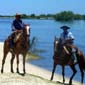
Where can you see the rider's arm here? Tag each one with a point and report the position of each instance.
(17, 25)
(70, 38)
(14, 29)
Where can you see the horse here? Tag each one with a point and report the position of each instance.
(20, 47)
(63, 58)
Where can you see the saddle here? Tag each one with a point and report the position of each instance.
(13, 38)
(64, 53)
(17, 36)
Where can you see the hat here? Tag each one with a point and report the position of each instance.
(18, 15)
(65, 27)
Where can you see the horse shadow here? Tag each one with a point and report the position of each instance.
(61, 83)
(22, 74)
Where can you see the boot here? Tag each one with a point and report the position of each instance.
(74, 58)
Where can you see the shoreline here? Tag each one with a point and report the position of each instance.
(30, 69)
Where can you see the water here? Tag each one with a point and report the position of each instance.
(45, 31)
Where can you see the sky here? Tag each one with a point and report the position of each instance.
(11, 7)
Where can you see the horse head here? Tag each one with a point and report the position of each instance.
(56, 44)
(58, 48)
(27, 29)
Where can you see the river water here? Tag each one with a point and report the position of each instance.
(45, 31)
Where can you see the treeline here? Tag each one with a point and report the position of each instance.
(62, 16)
(68, 16)
(42, 16)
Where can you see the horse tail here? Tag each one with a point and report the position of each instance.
(32, 43)
(80, 57)
(83, 56)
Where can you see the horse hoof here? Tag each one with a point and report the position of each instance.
(12, 71)
(51, 79)
(23, 74)
(17, 72)
(70, 83)
(1, 71)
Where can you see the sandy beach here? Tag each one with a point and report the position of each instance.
(34, 74)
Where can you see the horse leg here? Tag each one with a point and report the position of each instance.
(54, 67)
(74, 72)
(82, 74)
(12, 60)
(24, 64)
(3, 62)
(63, 73)
(17, 56)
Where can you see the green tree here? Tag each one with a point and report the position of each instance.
(42, 16)
(77, 17)
(32, 16)
(83, 17)
(24, 16)
(64, 16)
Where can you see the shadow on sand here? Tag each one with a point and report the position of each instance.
(63, 83)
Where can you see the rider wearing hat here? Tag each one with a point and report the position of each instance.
(66, 38)
(17, 23)
(66, 35)
(17, 27)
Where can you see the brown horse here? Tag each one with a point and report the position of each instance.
(63, 57)
(21, 47)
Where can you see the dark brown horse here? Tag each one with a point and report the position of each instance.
(63, 57)
(21, 47)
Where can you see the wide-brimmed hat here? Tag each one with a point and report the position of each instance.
(65, 27)
(18, 15)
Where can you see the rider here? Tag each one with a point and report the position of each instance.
(67, 38)
(17, 26)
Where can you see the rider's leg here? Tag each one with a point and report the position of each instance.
(72, 51)
(74, 55)
(12, 40)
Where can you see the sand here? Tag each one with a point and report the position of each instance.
(34, 74)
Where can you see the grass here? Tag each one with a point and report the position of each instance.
(31, 56)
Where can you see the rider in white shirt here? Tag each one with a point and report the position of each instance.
(68, 38)
(66, 35)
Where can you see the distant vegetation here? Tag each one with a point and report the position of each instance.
(62, 16)
(68, 16)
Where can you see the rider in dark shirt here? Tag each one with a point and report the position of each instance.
(17, 26)
(17, 23)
